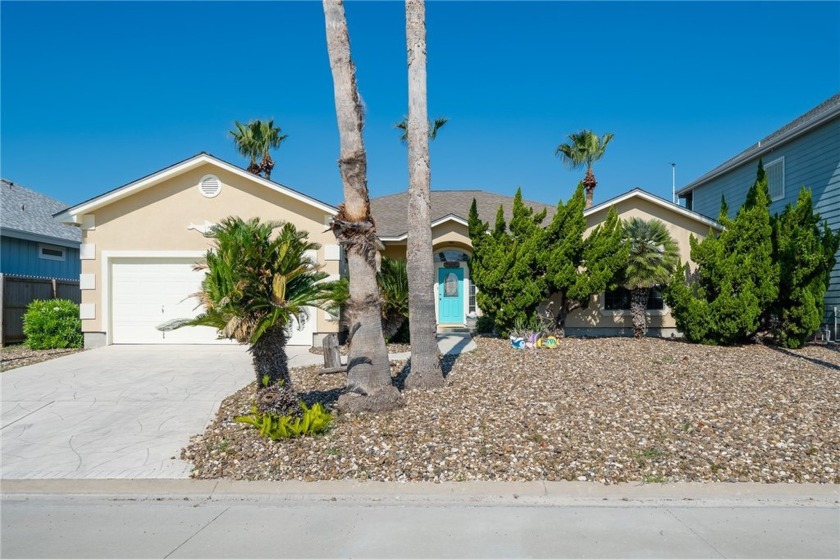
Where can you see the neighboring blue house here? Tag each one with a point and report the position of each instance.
(805, 152)
(33, 243)
(39, 257)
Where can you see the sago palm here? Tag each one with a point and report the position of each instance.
(392, 279)
(393, 288)
(653, 254)
(258, 280)
(584, 149)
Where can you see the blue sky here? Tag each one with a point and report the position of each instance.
(95, 95)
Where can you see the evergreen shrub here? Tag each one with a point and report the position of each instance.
(52, 324)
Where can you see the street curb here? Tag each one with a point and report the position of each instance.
(479, 492)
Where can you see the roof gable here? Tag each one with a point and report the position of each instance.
(73, 215)
(27, 214)
(661, 202)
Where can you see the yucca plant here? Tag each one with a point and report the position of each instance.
(653, 256)
(258, 280)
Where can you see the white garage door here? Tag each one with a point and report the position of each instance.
(147, 292)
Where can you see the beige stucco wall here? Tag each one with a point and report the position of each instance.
(157, 219)
(679, 226)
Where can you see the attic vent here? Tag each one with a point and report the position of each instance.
(210, 186)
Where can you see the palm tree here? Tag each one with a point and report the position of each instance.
(434, 126)
(653, 256)
(368, 368)
(392, 279)
(269, 137)
(255, 141)
(585, 148)
(393, 285)
(425, 362)
(256, 284)
(243, 138)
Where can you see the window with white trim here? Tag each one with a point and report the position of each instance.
(775, 171)
(51, 252)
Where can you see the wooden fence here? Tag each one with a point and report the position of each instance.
(17, 292)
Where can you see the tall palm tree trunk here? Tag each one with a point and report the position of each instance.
(425, 363)
(269, 358)
(368, 369)
(589, 184)
(267, 165)
(638, 306)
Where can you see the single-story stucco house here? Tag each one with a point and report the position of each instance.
(140, 243)
(607, 314)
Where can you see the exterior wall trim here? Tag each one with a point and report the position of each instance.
(74, 215)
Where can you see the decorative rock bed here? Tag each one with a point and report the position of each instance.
(607, 410)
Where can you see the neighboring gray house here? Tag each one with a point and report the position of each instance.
(805, 152)
(39, 257)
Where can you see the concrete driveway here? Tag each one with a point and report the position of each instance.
(118, 411)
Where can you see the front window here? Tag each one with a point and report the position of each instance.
(619, 300)
(451, 256)
(50, 252)
(775, 171)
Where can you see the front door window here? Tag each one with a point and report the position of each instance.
(450, 285)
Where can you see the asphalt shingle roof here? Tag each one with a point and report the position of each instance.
(391, 212)
(31, 212)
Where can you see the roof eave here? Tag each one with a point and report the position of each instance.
(638, 192)
(747, 155)
(404, 236)
(38, 237)
(72, 215)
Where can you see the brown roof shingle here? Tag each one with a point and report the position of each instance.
(391, 212)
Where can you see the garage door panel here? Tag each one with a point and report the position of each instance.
(147, 292)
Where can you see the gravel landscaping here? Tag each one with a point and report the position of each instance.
(14, 356)
(605, 410)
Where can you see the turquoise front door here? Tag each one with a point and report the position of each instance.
(451, 296)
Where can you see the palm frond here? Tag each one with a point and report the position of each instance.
(653, 253)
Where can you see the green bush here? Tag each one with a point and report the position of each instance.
(52, 323)
(484, 325)
(311, 421)
(736, 281)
